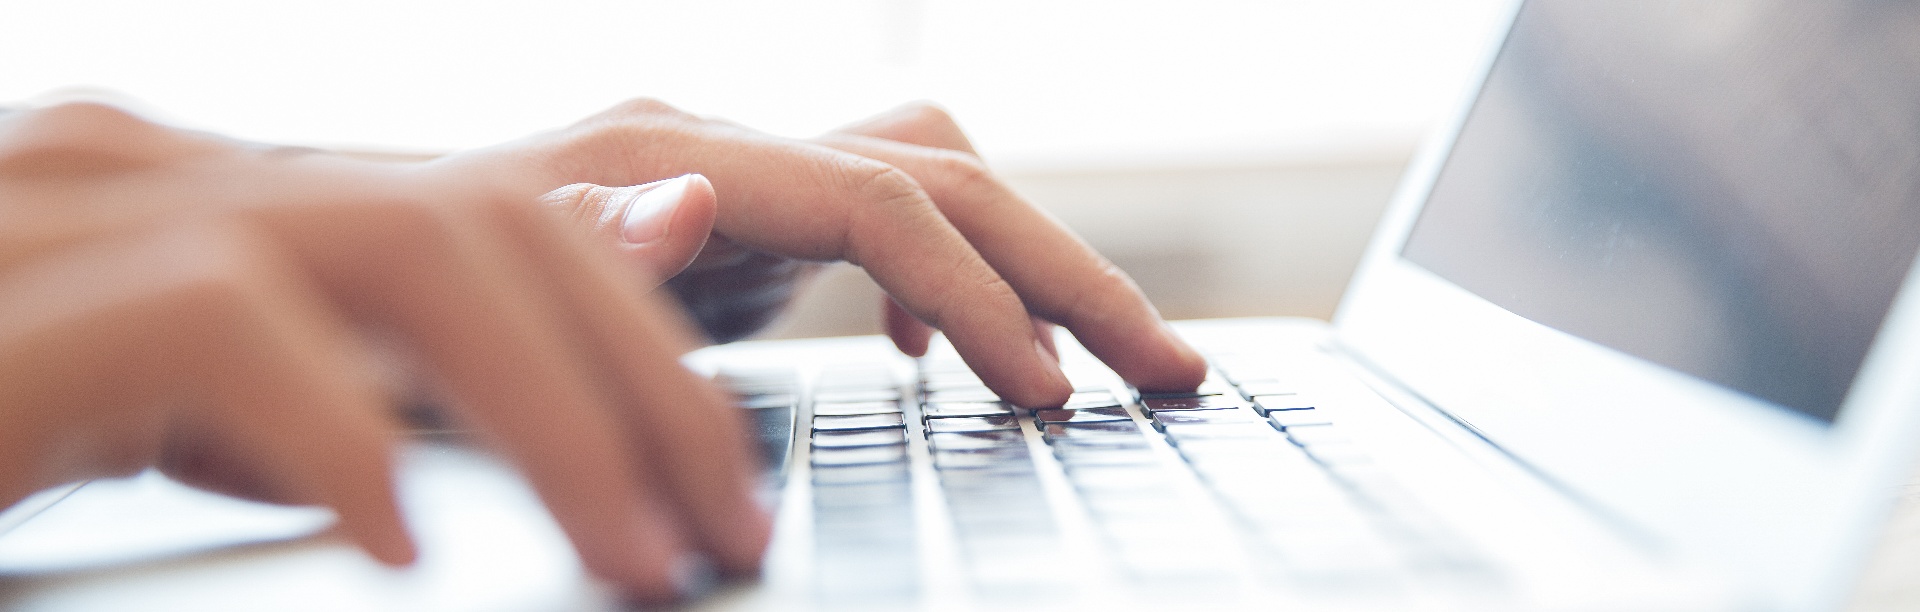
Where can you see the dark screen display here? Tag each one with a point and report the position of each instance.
(1729, 189)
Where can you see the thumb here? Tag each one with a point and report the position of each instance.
(657, 227)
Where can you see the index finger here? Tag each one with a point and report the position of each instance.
(1060, 277)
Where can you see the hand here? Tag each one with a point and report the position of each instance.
(954, 247)
(177, 299)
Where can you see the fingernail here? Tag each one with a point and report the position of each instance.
(692, 575)
(648, 213)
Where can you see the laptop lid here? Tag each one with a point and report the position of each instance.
(1664, 258)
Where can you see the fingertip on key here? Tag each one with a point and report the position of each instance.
(1181, 369)
(1050, 388)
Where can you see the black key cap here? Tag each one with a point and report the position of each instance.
(1071, 457)
(1061, 431)
(860, 421)
(981, 394)
(775, 400)
(963, 424)
(864, 395)
(974, 440)
(1264, 404)
(946, 410)
(1285, 419)
(862, 455)
(1134, 440)
(857, 474)
(1211, 402)
(859, 437)
(1184, 417)
(971, 460)
(1219, 431)
(1253, 388)
(1091, 399)
(1177, 394)
(1088, 415)
(853, 408)
(878, 494)
(773, 435)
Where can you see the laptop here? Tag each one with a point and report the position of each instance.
(1636, 333)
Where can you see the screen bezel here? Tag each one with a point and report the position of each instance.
(1781, 500)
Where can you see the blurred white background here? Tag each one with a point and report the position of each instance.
(1232, 155)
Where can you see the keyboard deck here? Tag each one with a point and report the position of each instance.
(1179, 493)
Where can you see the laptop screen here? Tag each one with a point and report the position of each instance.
(1728, 189)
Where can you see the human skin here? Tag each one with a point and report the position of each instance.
(211, 307)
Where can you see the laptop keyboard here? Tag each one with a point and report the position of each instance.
(1162, 483)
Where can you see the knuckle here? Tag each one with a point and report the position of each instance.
(581, 202)
(964, 169)
(648, 107)
(886, 200)
(879, 184)
(45, 137)
(84, 114)
(569, 197)
(927, 112)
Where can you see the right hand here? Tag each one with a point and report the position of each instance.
(953, 246)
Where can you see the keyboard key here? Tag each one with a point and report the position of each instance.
(859, 421)
(952, 383)
(862, 395)
(1202, 392)
(1186, 417)
(976, 460)
(1255, 388)
(857, 474)
(861, 455)
(1132, 440)
(1009, 482)
(858, 438)
(1264, 404)
(1085, 457)
(776, 400)
(981, 394)
(1283, 419)
(1087, 415)
(773, 437)
(947, 410)
(1213, 385)
(1091, 399)
(1062, 431)
(853, 408)
(878, 494)
(1211, 402)
(1213, 431)
(963, 424)
(973, 440)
